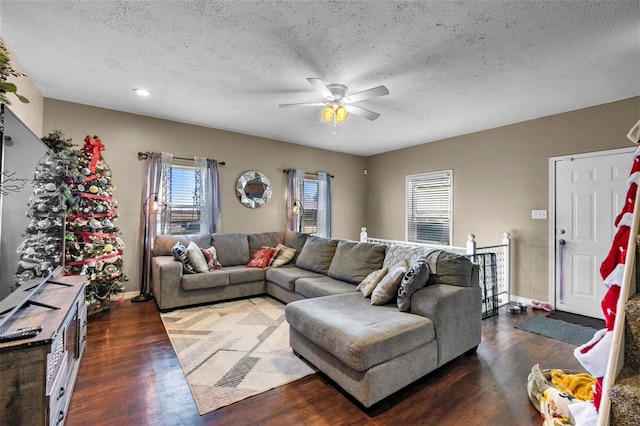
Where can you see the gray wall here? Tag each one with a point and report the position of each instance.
(125, 134)
(499, 176)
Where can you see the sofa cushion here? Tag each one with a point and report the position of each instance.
(415, 278)
(268, 239)
(285, 255)
(295, 240)
(217, 278)
(387, 289)
(317, 253)
(322, 286)
(358, 334)
(232, 249)
(353, 261)
(373, 279)
(449, 268)
(162, 244)
(286, 276)
(241, 274)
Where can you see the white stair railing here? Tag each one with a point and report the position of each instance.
(502, 252)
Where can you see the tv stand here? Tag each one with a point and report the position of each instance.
(39, 373)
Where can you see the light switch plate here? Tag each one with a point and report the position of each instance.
(538, 214)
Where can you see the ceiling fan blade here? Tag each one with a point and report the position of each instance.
(310, 104)
(361, 112)
(367, 94)
(321, 87)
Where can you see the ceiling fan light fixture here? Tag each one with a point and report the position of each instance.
(341, 114)
(331, 112)
(327, 113)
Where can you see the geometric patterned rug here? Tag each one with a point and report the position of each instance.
(233, 350)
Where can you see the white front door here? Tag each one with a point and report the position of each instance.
(589, 193)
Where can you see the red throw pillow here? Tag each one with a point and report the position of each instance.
(261, 258)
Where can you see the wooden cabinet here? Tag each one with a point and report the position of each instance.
(37, 375)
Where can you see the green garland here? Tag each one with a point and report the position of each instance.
(7, 71)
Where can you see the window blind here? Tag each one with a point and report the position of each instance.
(429, 207)
(185, 201)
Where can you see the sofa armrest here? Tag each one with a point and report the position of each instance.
(456, 314)
(166, 275)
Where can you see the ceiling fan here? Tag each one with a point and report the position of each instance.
(338, 105)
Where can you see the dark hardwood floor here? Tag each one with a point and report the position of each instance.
(131, 376)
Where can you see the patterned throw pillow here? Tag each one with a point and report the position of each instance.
(371, 281)
(211, 257)
(261, 258)
(415, 278)
(285, 254)
(196, 258)
(388, 286)
(274, 254)
(180, 253)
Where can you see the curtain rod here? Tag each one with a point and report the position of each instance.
(309, 173)
(145, 155)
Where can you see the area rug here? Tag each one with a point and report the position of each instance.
(559, 330)
(233, 350)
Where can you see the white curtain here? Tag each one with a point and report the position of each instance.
(153, 189)
(207, 170)
(164, 194)
(324, 205)
(295, 189)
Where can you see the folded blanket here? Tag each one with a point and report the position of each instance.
(578, 385)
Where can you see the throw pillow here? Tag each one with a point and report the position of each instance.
(197, 258)
(180, 253)
(388, 286)
(371, 281)
(415, 278)
(261, 258)
(285, 254)
(211, 257)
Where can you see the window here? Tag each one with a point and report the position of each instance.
(429, 207)
(186, 200)
(310, 206)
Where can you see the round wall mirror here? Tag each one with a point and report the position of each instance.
(253, 189)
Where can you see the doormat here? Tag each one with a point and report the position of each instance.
(577, 319)
(560, 330)
(233, 350)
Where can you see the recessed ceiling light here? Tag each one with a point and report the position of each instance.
(142, 92)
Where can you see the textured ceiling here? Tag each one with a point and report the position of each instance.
(451, 67)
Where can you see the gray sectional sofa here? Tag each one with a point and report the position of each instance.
(370, 351)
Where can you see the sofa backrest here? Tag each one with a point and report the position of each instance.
(162, 244)
(316, 254)
(232, 249)
(446, 267)
(451, 268)
(269, 239)
(295, 240)
(353, 261)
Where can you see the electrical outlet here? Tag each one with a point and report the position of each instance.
(538, 214)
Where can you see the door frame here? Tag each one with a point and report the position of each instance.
(552, 206)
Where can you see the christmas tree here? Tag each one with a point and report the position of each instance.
(93, 247)
(40, 252)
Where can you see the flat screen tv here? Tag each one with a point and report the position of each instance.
(31, 214)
